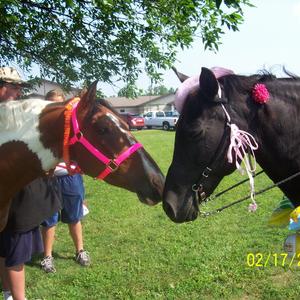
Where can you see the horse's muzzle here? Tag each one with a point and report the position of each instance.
(178, 210)
(151, 193)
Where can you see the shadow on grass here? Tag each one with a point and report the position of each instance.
(36, 259)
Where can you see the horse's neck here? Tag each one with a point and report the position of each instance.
(275, 127)
(278, 134)
(278, 167)
(51, 126)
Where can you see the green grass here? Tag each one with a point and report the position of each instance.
(138, 253)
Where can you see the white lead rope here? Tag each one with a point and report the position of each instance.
(240, 142)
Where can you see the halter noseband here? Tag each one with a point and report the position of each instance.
(111, 165)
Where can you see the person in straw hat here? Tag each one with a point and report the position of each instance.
(37, 201)
(11, 84)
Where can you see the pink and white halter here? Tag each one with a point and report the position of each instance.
(240, 141)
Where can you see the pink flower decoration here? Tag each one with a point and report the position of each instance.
(252, 207)
(260, 93)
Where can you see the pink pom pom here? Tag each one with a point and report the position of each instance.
(252, 207)
(260, 93)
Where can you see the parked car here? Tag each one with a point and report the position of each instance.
(134, 121)
(159, 119)
(173, 113)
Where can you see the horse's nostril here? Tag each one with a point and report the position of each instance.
(169, 210)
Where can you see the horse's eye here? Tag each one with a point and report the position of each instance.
(102, 130)
(195, 135)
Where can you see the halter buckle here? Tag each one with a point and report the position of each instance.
(206, 172)
(199, 193)
(112, 165)
(78, 135)
(197, 187)
(202, 196)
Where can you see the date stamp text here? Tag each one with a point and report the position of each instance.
(258, 259)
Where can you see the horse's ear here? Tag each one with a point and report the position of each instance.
(208, 83)
(180, 76)
(89, 97)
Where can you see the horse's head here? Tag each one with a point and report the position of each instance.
(199, 160)
(113, 152)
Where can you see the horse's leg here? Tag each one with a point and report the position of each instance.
(4, 210)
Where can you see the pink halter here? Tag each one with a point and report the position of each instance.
(111, 164)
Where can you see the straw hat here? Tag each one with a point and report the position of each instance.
(11, 75)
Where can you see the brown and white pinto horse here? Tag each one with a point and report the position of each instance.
(31, 143)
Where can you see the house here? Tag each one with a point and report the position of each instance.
(46, 85)
(143, 104)
(139, 105)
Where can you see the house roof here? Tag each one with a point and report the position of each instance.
(127, 102)
(72, 89)
(43, 86)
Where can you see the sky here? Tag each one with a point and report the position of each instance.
(268, 39)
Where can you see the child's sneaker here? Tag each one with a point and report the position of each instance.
(7, 295)
(47, 264)
(85, 209)
(83, 258)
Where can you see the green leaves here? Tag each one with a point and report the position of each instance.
(73, 40)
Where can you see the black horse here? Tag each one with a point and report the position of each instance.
(203, 137)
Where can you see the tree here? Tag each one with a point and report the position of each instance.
(130, 91)
(75, 40)
(159, 90)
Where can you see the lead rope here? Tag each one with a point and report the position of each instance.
(242, 143)
(207, 214)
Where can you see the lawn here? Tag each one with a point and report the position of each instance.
(138, 253)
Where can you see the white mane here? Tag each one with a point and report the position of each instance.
(19, 121)
(13, 114)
